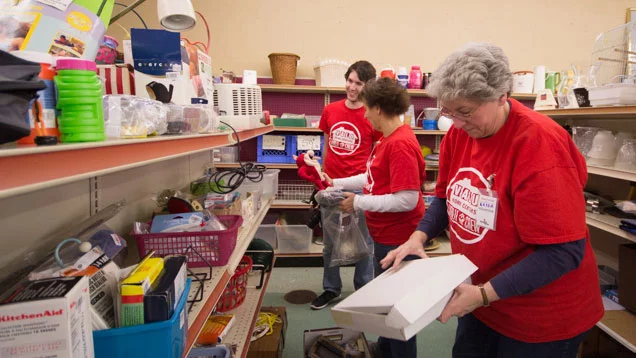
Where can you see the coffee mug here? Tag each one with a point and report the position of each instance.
(552, 80)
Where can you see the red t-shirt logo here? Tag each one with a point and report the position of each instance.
(344, 138)
(462, 202)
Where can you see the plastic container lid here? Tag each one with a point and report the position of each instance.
(402, 71)
(33, 56)
(67, 63)
(415, 67)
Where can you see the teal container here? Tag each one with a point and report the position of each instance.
(79, 93)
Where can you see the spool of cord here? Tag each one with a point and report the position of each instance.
(265, 254)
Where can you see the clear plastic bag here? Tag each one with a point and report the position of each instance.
(133, 117)
(349, 244)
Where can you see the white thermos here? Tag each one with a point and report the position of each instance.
(539, 79)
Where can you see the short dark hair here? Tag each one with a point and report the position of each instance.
(387, 94)
(364, 69)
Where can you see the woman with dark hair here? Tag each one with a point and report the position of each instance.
(392, 200)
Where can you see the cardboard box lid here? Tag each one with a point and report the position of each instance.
(405, 294)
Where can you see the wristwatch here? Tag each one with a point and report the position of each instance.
(484, 296)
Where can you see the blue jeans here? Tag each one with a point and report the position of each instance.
(475, 339)
(393, 348)
(364, 267)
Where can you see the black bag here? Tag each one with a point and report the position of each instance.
(19, 84)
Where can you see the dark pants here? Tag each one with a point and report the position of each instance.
(475, 339)
(392, 348)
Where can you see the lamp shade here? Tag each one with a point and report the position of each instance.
(176, 15)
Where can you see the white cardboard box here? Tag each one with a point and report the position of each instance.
(47, 318)
(399, 303)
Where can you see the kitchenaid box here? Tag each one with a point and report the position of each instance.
(402, 301)
(47, 318)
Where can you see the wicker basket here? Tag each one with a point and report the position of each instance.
(283, 67)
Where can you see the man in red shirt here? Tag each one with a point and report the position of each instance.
(349, 139)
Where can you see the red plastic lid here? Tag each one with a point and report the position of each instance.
(412, 67)
(67, 63)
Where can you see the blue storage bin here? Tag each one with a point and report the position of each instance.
(209, 352)
(317, 153)
(275, 156)
(158, 340)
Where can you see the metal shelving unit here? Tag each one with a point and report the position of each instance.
(28, 168)
(220, 278)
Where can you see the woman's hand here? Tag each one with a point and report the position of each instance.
(413, 246)
(466, 299)
(326, 178)
(346, 205)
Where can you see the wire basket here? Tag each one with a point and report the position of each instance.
(215, 247)
(614, 52)
(236, 290)
(294, 190)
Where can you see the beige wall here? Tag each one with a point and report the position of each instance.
(401, 32)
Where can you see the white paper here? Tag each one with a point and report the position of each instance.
(58, 4)
(610, 305)
(308, 142)
(274, 142)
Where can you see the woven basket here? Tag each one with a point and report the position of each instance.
(283, 67)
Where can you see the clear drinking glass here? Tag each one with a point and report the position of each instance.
(583, 138)
(626, 157)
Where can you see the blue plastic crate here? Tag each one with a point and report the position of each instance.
(210, 352)
(165, 339)
(318, 153)
(275, 156)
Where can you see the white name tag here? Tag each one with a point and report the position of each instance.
(487, 210)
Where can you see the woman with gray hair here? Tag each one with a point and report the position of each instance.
(510, 193)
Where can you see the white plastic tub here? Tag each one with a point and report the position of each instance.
(618, 94)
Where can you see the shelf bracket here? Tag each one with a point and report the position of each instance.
(94, 188)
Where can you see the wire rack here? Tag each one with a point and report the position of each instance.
(294, 190)
(614, 52)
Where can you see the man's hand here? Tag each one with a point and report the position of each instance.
(346, 205)
(414, 246)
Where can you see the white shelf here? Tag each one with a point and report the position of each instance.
(611, 172)
(246, 315)
(220, 278)
(609, 224)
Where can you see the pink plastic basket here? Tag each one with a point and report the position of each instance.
(214, 246)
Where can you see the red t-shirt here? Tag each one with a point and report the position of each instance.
(350, 139)
(539, 176)
(395, 164)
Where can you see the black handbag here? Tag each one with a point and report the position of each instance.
(19, 84)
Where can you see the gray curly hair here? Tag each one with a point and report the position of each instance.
(478, 71)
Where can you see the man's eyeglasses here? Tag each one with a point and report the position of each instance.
(461, 116)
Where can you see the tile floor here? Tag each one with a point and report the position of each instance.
(436, 340)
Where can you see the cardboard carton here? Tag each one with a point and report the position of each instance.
(402, 301)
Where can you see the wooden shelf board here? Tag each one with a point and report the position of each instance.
(592, 112)
(316, 89)
(289, 204)
(609, 224)
(268, 165)
(28, 168)
(297, 129)
(612, 172)
(620, 325)
(220, 277)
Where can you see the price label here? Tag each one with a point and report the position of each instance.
(58, 4)
(308, 142)
(274, 142)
